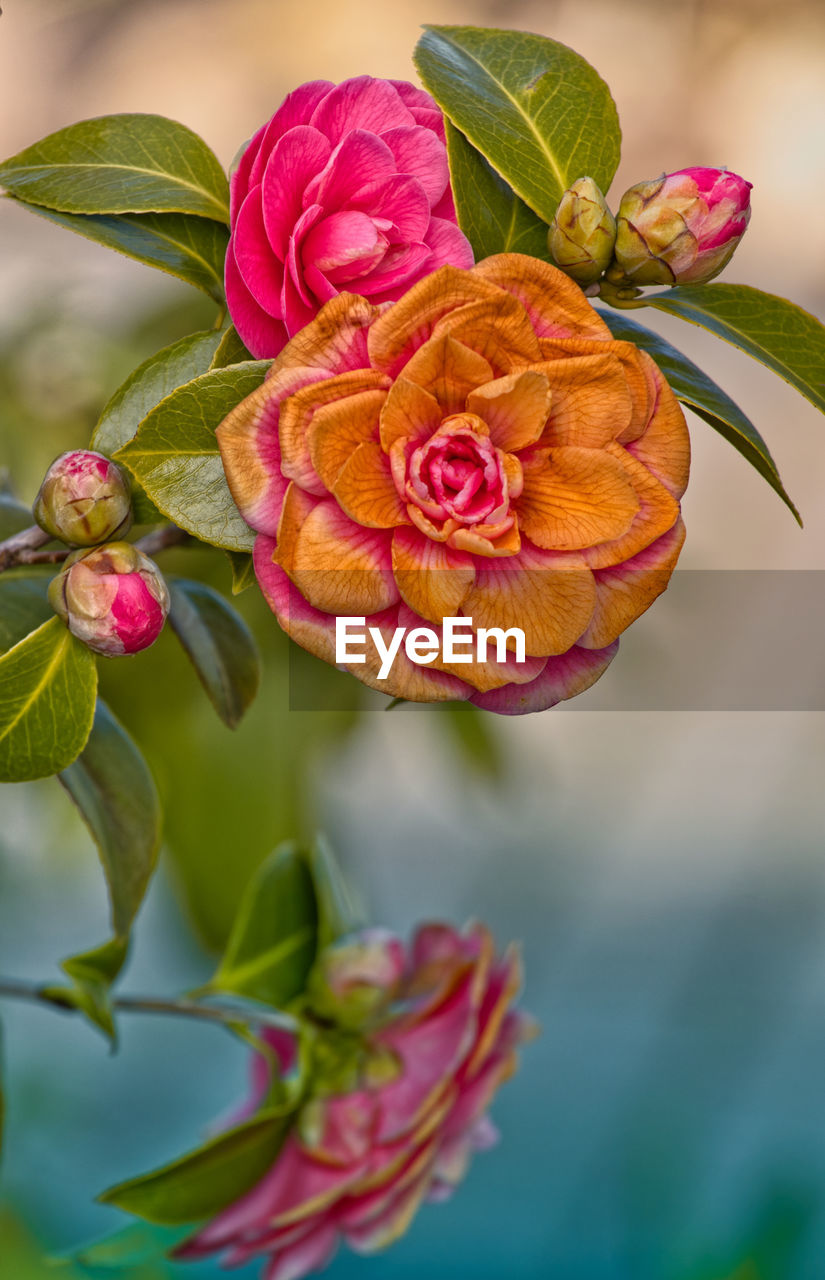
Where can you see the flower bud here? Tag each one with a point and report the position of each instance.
(113, 598)
(583, 232)
(681, 228)
(84, 499)
(357, 978)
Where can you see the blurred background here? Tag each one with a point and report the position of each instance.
(663, 869)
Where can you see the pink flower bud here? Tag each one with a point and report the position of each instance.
(84, 499)
(113, 598)
(681, 228)
(354, 980)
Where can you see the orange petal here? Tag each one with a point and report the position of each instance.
(575, 498)
(366, 490)
(483, 540)
(591, 402)
(482, 676)
(514, 407)
(334, 430)
(640, 388)
(432, 578)
(250, 451)
(297, 413)
(549, 595)
(449, 371)
(658, 511)
(337, 565)
(335, 341)
(556, 306)
(497, 328)
(408, 323)
(623, 593)
(664, 446)
(409, 413)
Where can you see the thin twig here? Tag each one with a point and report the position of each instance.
(21, 549)
(19, 544)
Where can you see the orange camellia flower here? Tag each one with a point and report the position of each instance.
(482, 449)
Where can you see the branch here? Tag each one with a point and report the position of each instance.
(15, 549)
(22, 547)
(180, 1008)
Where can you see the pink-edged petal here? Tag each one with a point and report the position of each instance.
(393, 1222)
(295, 160)
(448, 244)
(312, 1253)
(399, 267)
(262, 272)
(296, 109)
(563, 677)
(400, 201)
(261, 333)
(624, 592)
(342, 239)
(420, 154)
(421, 105)
(360, 159)
(360, 103)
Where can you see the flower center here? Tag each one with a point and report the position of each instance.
(458, 474)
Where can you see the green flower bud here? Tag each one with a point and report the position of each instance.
(583, 232)
(356, 979)
(84, 499)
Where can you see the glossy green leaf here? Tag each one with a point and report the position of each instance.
(24, 606)
(130, 163)
(774, 331)
(701, 394)
(230, 350)
(175, 456)
(205, 1181)
(14, 516)
(92, 973)
(493, 218)
(47, 700)
(535, 109)
(219, 644)
(243, 570)
(192, 249)
(117, 798)
(274, 938)
(338, 913)
(150, 383)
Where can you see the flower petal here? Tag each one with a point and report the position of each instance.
(419, 153)
(624, 592)
(359, 401)
(295, 160)
(360, 103)
(549, 595)
(563, 677)
(555, 303)
(263, 335)
(446, 239)
(296, 109)
(432, 578)
(514, 407)
(664, 446)
(497, 328)
(399, 200)
(335, 341)
(657, 513)
(449, 371)
(340, 567)
(409, 413)
(262, 272)
(336, 428)
(575, 498)
(340, 241)
(365, 487)
(311, 1253)
(640, 386)
(591, 401)
(407, 325)
(360, 159)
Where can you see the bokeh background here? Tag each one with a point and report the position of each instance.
(663, 869)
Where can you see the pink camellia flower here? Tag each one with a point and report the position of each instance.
(345, 189)
(681, 228)
(113, 598)
(362, 1159)
(84, 499)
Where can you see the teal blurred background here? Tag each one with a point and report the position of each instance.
(663, 870)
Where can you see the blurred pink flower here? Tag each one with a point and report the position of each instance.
(359, 1163)
(345, 189)
(681, 228)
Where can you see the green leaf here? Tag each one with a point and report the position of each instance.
(15, 516)
(200, 1184)
(129, 163)
(338, 913)
(150, 383)
(137, 1245)
(701, 394)
(24, 606)
(175, 456)
(243, 570)
(774, 331)
(535, 109)
(273, 941)
(219, 644)
(47, 700)
(493, 218)
(92, 973)
(192, 249)
(230, 350)
(116, 794)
